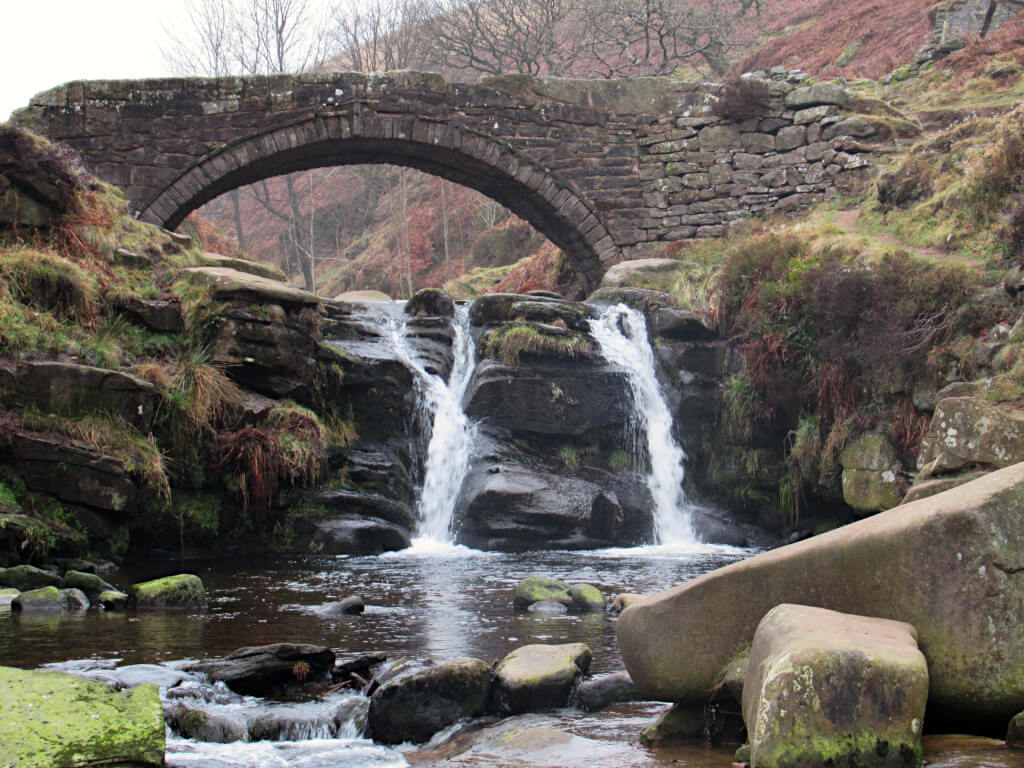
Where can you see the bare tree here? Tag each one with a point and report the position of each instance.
(630, 38)
(381, 35)
(275, 36)
(499, 36)
(203, 45)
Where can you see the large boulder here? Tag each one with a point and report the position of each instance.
(949, 565)
(967, 431)
(536, 677)
(430, 302)
(828, 688)
(181, 591)
(414, 707)
(57, 719)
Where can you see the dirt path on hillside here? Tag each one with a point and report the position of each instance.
(849, 221)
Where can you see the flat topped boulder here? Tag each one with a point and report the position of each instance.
(539, 676)
(950, 565)
(42, 600)
(183, 591)
(58, 719)
(231, 283)
(829, 688)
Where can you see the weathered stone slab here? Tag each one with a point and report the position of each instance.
(230, 283)
(949, 565)
(829, 688)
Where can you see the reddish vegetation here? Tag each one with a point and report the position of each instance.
(1005, 43)
(889, 34)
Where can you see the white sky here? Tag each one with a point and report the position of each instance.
(44, 43)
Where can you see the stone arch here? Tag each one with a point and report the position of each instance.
(459, 154)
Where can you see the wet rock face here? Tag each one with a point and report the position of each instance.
(523, 500)
(829, 687)
(415, 706)
(550, 397)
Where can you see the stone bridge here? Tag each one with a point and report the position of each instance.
(606, 169)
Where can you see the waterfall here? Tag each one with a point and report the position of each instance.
(621, 334)
(451, 436)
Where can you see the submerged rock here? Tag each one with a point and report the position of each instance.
(600, 691)
(680, 722)
(536, 677)
(183, 590)
(534, 590)
(7, 595)
(351, 605)
(949, 565)
(831, 688)
(415, 706)
(57, 719)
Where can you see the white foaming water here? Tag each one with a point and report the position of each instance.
(451, 436)
(621, 334)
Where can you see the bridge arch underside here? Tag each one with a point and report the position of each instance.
(526, 190)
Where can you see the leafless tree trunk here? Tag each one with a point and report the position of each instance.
(381, 35)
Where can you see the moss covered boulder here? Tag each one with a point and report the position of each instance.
(950, 565)
(414, 707)
(828, 688)
(29, 577)
(872, 474)
(539, 676)
(56, 719)
(575, 596)
(44, 599)
(181, 591)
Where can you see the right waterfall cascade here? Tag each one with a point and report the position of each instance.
(621, 334)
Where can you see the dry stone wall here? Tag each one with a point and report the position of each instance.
(606, 169)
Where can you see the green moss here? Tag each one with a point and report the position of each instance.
(178, 591)
(77, 722)
(510, 342)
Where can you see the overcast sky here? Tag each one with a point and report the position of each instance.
(44, 43)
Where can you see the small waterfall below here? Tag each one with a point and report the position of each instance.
(451, 436)
(621, 334)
